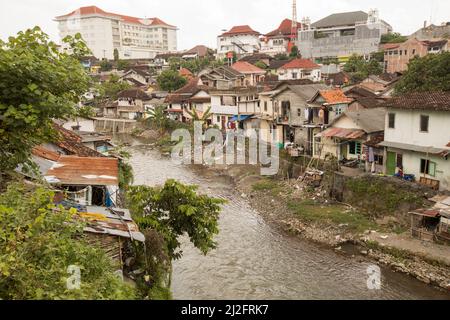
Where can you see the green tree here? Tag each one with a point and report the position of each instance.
(174, 210)
(359, 68)
(170, 80)
(116, 55)
(38, 243)
(106, 65)
(294, 52)
(37, 84)
(77, 46)
(393, 37)
(430, 73)
(110, 89)
(85, 112)
(122, 64)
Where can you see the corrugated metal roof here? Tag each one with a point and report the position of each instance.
(411, 147)
(342, 133)
(71, 170)
(111, 221)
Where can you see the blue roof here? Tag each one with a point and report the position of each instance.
(241, 118)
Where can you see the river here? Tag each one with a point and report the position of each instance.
(257, 261)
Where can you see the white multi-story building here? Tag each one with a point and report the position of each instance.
(104, 32)
(242, 40)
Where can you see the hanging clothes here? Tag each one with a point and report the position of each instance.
(321, 114)
(371, 155)
(307, 114)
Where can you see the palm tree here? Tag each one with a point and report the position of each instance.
(196, 117)
(158, 117)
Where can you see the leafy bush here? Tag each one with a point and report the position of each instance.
(38, 242)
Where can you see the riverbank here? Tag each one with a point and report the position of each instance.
(310, 214)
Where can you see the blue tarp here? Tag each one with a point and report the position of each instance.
(241, 118)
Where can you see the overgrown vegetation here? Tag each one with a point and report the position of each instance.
(430, 73)
(38, 243)
(380, 198)
(313, 212)
(171, 80)
(359, 68)
(393, 37)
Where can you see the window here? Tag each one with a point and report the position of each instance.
(428, 167)
(424, 123)
(218, 119)
(354, 148)
(294, 75)
(391, 120)
(299, 112)
(379, 159)
(265, 106)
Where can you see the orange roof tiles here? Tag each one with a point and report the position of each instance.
(245, 67)
(93, 10)
(335, 96)
(240, 30)
(300, 64)
(186, 73)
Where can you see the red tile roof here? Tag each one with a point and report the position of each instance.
(438, 101)
(240, 30)
(245, 67)
(300, 64)
(93, 10)
(71, 143)
(186, 73)
(334, 96)
(284, 29)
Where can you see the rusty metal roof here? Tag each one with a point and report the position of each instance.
(111, 221)
(349, 134)
(72, 170)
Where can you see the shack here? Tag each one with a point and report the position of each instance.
(432, 224)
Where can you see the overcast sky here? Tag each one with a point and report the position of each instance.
(200, 21)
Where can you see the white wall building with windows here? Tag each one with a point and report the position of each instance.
(417, 138)
(134, 38)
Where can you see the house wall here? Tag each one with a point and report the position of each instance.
(365, 41)
(294, 74)
(250, 43)
(412, 162)
(85, 124)
(296, 103)
(407, 128)
(397, 59)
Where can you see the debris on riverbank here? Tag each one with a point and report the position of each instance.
(309, 214)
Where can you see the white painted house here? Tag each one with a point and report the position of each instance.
(242, 40)
(300, 69)
(417, 137)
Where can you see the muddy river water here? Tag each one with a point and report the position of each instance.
(255, 260)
